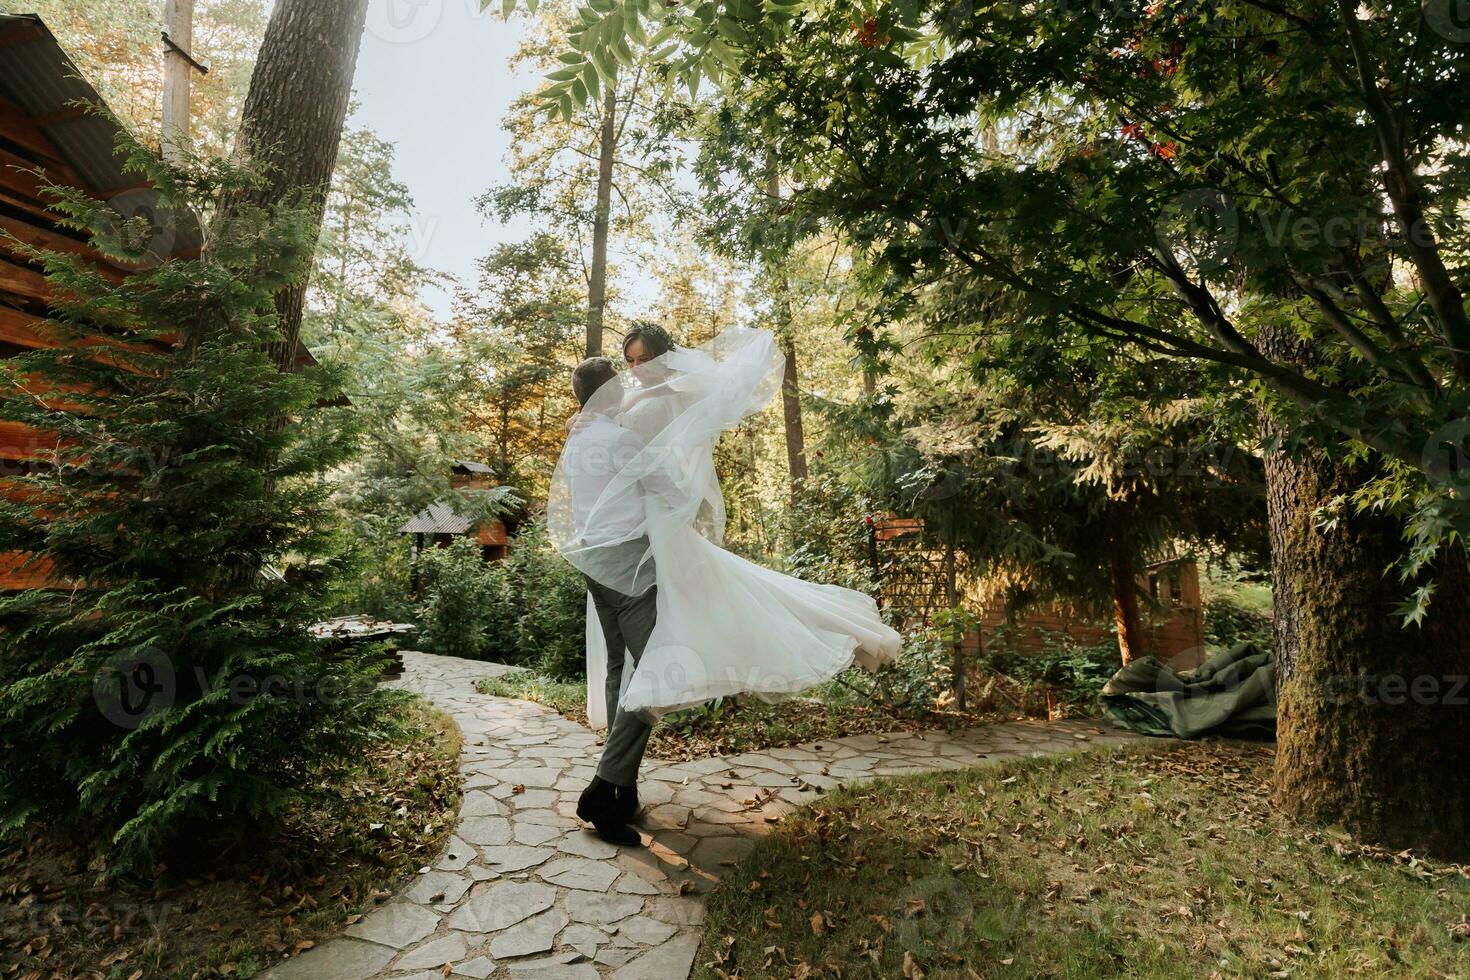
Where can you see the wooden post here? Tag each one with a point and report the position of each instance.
(178, 68)
(953, 595)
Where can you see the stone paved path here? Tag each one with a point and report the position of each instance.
(523, 891)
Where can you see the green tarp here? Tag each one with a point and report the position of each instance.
(1232, 694)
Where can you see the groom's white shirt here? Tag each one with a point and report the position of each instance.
(597, 450)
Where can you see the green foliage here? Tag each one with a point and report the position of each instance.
(527, 610)
(1262, 195)
(467, 608)
(830, 523)
(1229, 621)
(168, 684)
(1075, 671)
(923, 676)
(378, 581)
(551, 600)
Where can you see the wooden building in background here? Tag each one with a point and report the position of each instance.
(50, 133)
(1171, 609)
(439, 523)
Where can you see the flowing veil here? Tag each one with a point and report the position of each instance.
(724, 625)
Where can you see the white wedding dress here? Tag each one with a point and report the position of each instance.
(724, 625)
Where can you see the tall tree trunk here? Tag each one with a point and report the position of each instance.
(597, 286)
(791, 407)
(790, 379)
(1125, 605)
(291, 125)
(1372, 715)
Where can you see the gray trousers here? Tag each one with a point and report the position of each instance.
(626, 622)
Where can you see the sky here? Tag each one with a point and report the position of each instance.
(432, 79)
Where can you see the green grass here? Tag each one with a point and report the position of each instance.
(1134, 863)
(564, 697)
(733, 725)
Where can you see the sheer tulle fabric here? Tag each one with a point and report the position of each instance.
(725, 625)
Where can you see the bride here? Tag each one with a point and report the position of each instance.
(723, 625)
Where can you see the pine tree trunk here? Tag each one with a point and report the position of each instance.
(791, 407)
(1125, 606)
(291, 125)
(597, 286)
(790, 379)
(1372, 717)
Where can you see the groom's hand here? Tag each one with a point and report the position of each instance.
(572, 420)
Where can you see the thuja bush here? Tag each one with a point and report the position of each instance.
(550, 598)
(164, 685)
(466, 610)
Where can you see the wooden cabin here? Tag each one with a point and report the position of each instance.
(1173, 622)
(439, 524)
(46, 126)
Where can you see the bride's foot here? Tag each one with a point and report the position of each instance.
(601, 806)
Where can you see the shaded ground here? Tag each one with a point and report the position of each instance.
(1158, 864)
(523, 891)
(377, 819)
(746, 724)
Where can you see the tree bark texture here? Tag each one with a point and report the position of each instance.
(1373, 718)
(1125, 606)
(597, 284)
(291, 124)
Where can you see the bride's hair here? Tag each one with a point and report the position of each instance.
(656, 339)
(590, 375)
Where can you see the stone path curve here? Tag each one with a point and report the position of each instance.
(522, 891)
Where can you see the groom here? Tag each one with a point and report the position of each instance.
(594, 446)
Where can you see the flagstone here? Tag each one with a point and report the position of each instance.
(718, 852)
(339, 959)
(480, 804)
(508, 858)
(673, 959)
(398, 924)
(587, 845)
(585, 939)
(554, 971)
(434, 953)
(589, 907)
(524, 767)
(579, 872)
(451, 886)
(480, 967)
(535, 935)
(632, 884)
(502, 905)
(536, 834)
(646, 930)
(456, 856)
(610, 956)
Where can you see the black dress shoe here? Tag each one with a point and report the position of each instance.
(627, 797)
(600, 806)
